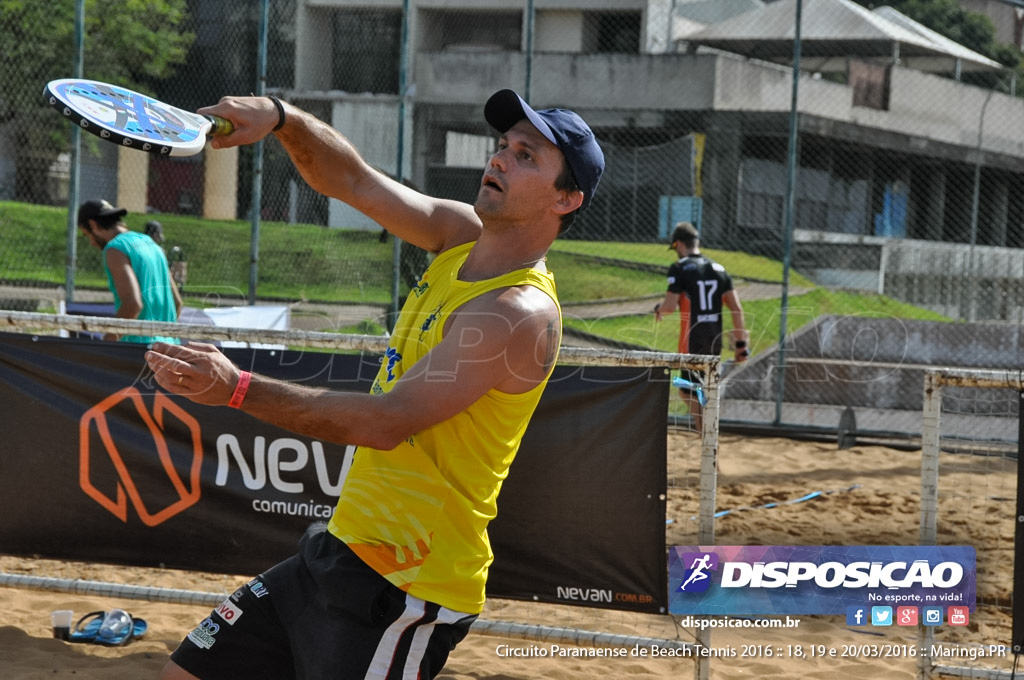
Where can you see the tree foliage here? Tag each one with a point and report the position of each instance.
(947, 17)
(133, 43)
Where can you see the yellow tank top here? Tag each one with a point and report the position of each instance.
(418, 514)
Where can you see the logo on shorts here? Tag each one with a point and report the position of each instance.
(205, 634)
(99, 451)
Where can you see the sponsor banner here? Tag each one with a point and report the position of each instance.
(768, 580)
(582, 513)
(97, 463)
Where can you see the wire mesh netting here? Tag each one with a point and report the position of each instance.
(884, 198)
(903, 163)
(865, 204)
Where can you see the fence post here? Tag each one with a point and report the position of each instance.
(789, 210)
(75, 167)
(930, 435)
(708, 487)
(257, 155)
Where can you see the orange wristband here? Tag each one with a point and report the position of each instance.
(244, 378)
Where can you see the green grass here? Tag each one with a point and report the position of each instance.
(295, 262)
(583, 280)
(763, 319)
(308, 262)
(738, 264)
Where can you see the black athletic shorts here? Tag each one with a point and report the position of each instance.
(322, 614)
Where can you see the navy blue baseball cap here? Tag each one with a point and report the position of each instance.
(563, 128)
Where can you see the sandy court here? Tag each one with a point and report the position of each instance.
(870, 495)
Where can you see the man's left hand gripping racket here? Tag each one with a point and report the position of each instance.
(132, 119)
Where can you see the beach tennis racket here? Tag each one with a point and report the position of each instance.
(132, 119)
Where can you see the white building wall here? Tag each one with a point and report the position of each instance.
(558, 31)
(313, 53)
(371, 124)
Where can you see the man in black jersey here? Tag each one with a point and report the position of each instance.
(699, 288)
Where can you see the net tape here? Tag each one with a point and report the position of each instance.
(24, 322)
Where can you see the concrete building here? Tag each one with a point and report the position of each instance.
(899, 156)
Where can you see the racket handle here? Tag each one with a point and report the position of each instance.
(221, 126)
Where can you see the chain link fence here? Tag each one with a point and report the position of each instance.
(896, 198)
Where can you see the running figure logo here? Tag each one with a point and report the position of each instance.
(697, 577)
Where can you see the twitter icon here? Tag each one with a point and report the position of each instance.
(881, 616)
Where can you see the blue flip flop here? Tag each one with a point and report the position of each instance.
(87, 627)
(113, 629)
(119, 628)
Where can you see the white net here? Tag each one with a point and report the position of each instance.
(969, 495)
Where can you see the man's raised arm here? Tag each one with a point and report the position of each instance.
(332, 166)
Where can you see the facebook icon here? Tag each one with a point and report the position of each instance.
(856, 616)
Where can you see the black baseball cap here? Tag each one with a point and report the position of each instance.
(98, 210)
(563, 128)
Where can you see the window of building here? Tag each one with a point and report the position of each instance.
(367, 47)
(762, 193)
(454, 30)
(617, 32)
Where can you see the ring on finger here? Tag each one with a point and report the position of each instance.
(180, 378)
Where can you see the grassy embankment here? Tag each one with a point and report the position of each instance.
(311, 263)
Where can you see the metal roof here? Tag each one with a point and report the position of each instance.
(833, 31)
(714, 11)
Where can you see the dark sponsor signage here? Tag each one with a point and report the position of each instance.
(98, 463)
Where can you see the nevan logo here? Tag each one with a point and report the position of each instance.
(94, 421)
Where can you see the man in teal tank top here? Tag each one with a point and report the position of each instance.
(393, 582)
(137, 271)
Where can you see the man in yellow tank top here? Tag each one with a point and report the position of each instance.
(396, 578)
